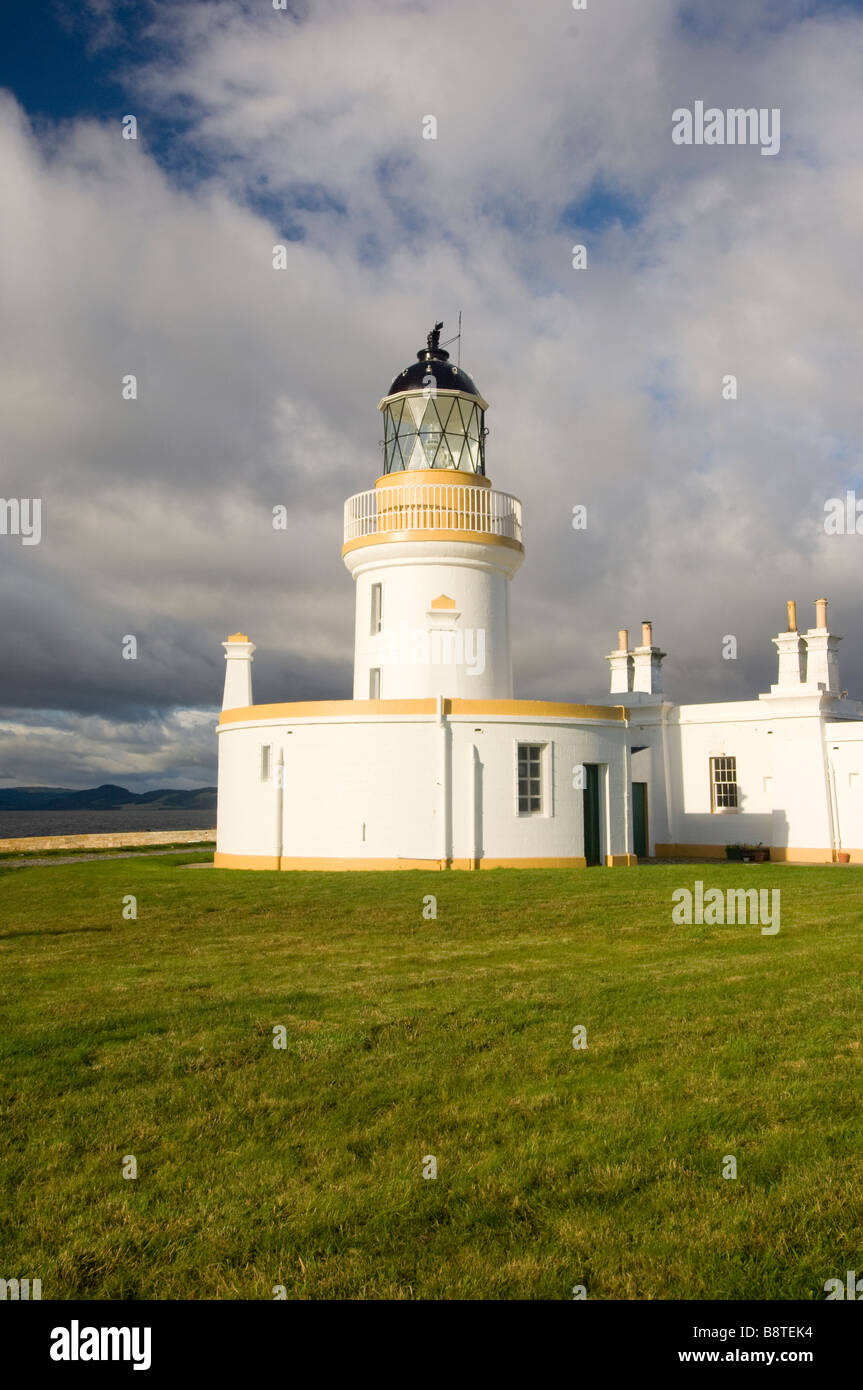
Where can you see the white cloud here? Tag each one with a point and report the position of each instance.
(258, 387)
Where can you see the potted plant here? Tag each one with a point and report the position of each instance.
(750, 854)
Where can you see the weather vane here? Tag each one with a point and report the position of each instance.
(433, 339)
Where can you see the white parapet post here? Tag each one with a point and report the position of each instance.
(238, 672)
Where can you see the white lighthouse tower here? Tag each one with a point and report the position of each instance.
(432, 764)
(432, 547)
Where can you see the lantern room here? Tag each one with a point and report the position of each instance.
(434, 416)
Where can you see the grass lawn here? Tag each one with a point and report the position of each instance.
(408, 1037)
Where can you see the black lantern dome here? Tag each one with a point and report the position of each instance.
(434, 416)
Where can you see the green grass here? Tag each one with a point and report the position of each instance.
(406, 1037)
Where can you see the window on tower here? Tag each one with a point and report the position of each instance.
(377, 590)
(375, 683)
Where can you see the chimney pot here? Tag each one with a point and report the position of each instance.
(623, 639)
(646, 634)
(821, 613)
(792, 615)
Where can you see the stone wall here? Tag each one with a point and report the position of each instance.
(114, 841)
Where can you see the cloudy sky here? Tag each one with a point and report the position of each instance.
(259, 387)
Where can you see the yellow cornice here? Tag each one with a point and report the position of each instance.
(543, 709)
(471, 537)
(447, 477)
(333, 709)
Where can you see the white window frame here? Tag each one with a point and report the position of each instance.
(377, 609)
(715, 782)
(544, 778)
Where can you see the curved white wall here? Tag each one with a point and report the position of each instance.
(414, 787)
(416, 659)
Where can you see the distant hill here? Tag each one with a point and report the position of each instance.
(103, 798)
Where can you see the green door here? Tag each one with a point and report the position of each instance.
(591, 813)
(639, 819)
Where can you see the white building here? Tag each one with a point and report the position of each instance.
(433, 764)
(784, 771)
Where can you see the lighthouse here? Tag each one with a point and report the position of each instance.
(432, 547)
(432, 763)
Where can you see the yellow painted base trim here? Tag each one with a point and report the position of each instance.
(779, 854)
(573, 863)
(689, 851)
(271, 861)
(245, 861)
(332, 709)
(789, 854)
(621, 861)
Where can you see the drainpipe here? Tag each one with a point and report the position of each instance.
(666, 765)
(280, 804)
(834, 802)
(473, 804)
(444, 779)
(830, 790)
(627, 793)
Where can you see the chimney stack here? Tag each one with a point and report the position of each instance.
(792, 657)
(822, 659)
(647, 664)
(621, 665)
(238, 672)
(808, 662)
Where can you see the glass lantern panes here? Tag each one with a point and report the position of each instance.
(441, 431)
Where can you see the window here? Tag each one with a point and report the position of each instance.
(376, 609)
(723, 784)
(434, 431)
(266, 758)
(530, 779)
(375, 683)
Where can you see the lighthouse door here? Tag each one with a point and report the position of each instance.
(591, 813)
(639, 819)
